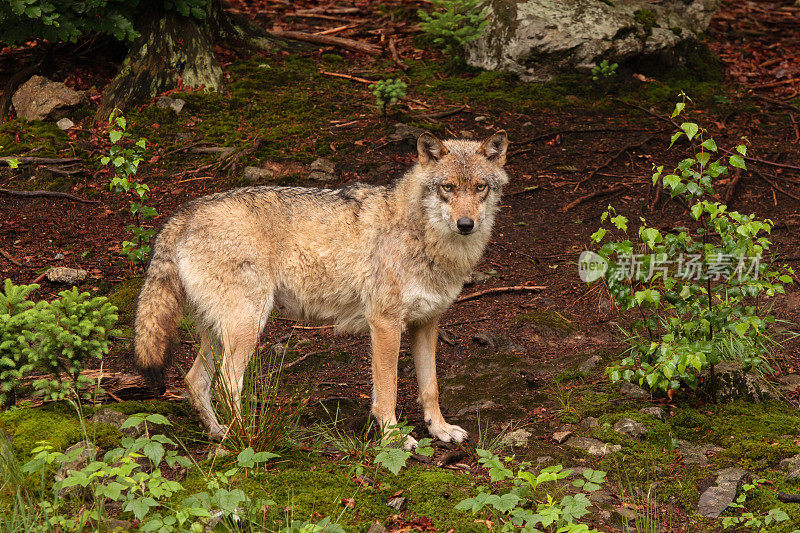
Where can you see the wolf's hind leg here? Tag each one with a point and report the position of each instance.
(199, 383)
(423, 346)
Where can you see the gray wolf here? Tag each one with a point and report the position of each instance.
(366, 258)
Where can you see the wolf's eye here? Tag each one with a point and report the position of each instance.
(481, 187)
(446, 187)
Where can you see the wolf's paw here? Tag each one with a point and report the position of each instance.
(410, 444)
(448, 433)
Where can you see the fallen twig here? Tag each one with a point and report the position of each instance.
(346, 76)
(38, 160)
(651, 113)
(775, 186)
(47, 194)
(396, 55)
(329, 40)
(497, 290)
(766, 161)
(442, 114)
(450, 457)
(732, 186)
(9, 258)
(787, 498)
(62, 172)
(615, 157)
(595, 194)
(221, 150)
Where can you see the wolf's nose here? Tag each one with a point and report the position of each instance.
(465, 224)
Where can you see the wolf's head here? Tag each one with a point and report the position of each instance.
(463, 181)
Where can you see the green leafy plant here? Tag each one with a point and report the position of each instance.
(604, 70)
(525, 505)
(126, 157)
(65, 20)
(454, 23)
(394, 458)
(696, 289)
(59, 338)
(750, 520)
(388, 92)
(118, 479)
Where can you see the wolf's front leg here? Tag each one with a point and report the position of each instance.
(423, 345)
(385, 334)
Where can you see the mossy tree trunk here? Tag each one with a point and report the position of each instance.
(173, 49)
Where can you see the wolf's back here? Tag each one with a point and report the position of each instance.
(160, 305)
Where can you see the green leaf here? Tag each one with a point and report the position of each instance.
(393, 459)
(690, 128)
(679, 107)
(115, 136)
(709, 145)
(737, 161)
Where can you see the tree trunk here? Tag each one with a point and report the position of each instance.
(172, 49)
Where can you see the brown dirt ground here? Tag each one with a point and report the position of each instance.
(535, 241)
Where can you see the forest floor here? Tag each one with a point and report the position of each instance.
(281, 110)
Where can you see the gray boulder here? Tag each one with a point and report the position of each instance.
(592, 446)
(716, 498)
(731, 382)
(322, 170)
(116, 419)
(536, 39)
(631, 428)
(40, 99)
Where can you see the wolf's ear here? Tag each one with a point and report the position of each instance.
(430, 149)
(494, 148)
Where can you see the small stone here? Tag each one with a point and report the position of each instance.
(477, 407)
(322, 170)
(255, 174)
(697, 455)
(516, 438)
(589, 422)
(561, 436)
(544, 459)
(218, 452)
(624, 515)
(485, 338)
(86, 452)
(715, 499)
(376, 528)
(794, 474)
(590, 364)
(631, 428)
(633, 391)
(602, 497)
(406, 133)
(64, 124)
(176, 104)
(464, 134)
(790, 463)
(592, 446)
(655, 412)
(789, 382)
(58, 257)
(116, 419)
(115, 524)
(70, 276)
(40, 99)
(398, 503)
(481, 118)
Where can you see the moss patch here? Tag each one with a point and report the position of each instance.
(124, 296)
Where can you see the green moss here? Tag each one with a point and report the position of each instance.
(546, 321)
(312, 486)
(124, 296)
(647, 19)
(55, 423)
(19, 136)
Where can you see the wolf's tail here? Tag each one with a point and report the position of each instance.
(159, 308)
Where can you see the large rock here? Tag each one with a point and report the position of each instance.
(539, 38)
(731, 382)
(40, 99)
(716, 498)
